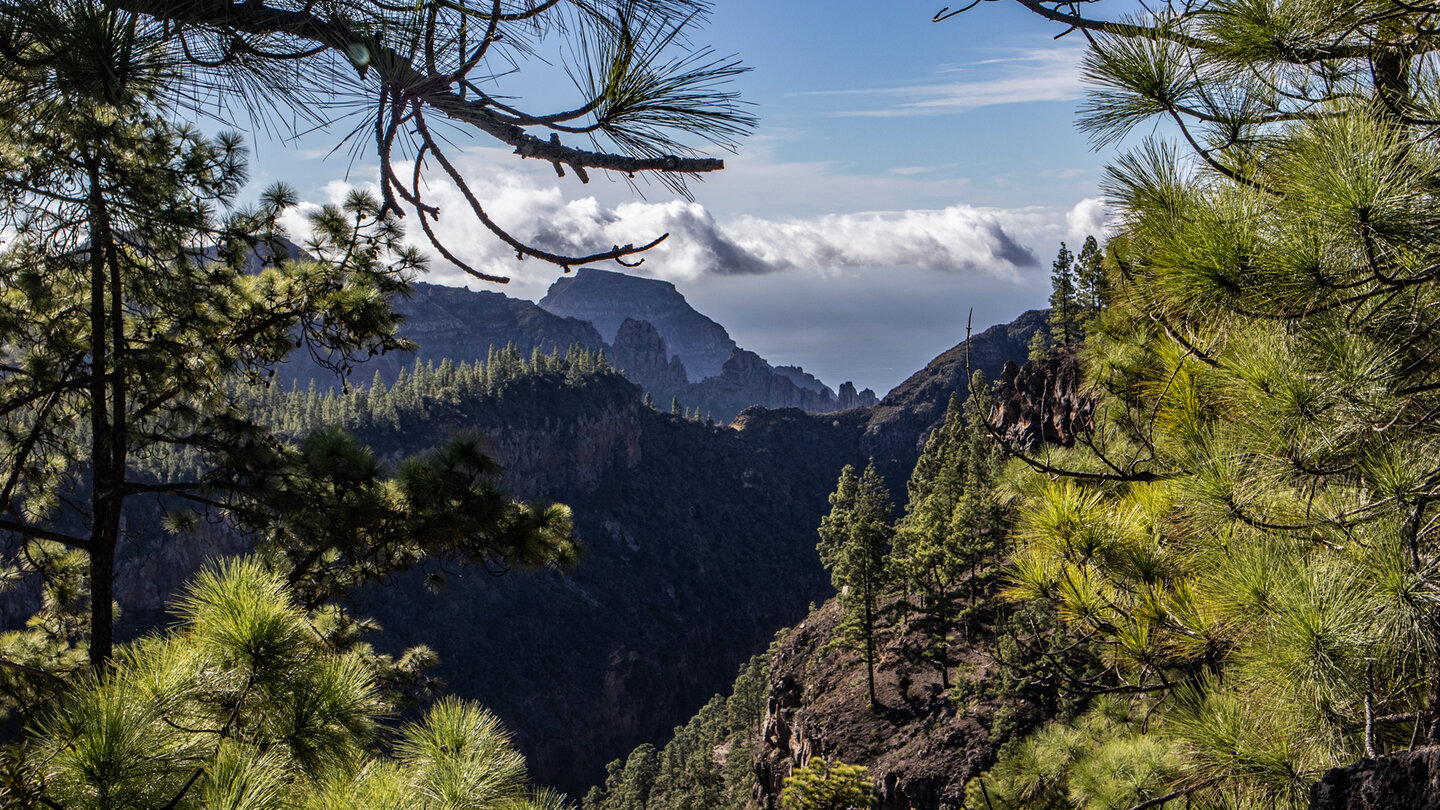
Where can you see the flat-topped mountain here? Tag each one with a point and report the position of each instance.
(606, 299)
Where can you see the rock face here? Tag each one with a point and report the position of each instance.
(463, 325)
(802, 378)
(606, 299)
(1408, 780)
(919, 743)
(1042, 401)
(850, 398)
(641, 352)
(746, 379)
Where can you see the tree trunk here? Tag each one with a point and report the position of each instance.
(870, 643)
(107, 424)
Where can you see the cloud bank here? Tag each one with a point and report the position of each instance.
(958, 239)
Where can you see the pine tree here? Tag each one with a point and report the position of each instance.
(118, 318)
(1092, 288)
(1250, 529)
(1064, 308)
(822, 785)
(949, 534)
(245, 705)
(854, 538)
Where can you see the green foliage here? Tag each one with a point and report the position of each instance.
(1039, 345)
(423, 394)
(1103, 759)
(950, 537)
(854, 539)
(243, 704)
(822, 785)
(1092, 288)
(1249, 532)
(128, 301)
(1064, 305)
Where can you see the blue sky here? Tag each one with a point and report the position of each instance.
(903, 173)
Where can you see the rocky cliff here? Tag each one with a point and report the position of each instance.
(1042, 401)
(606, 299)
(1407, 780)
(720, 378)
(642, 353)
(920, 744)
(462, 325)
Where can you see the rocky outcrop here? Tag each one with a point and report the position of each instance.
(746, 379)
(641, 353)
(850, 398)
(1408, 780)
(1042, 401)
(606, 299)
(919, 744)
(803, 379)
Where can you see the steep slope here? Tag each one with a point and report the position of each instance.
(461, 325)
(897, 426)
(698, 545)
(920, 744)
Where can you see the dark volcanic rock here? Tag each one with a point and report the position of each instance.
(607, 299)
(1042, 401)
(1408, 780)
(920, 743)
(641, 352)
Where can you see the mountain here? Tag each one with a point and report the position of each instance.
(461, 325)
(896, 429)
(684, 355)
(673, 356)
(606, 299)
(700, 543)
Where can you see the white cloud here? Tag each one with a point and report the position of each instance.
(1089, 217)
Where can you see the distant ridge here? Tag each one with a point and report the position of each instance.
(619, 314)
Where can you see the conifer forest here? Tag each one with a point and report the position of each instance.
(1173, 542)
